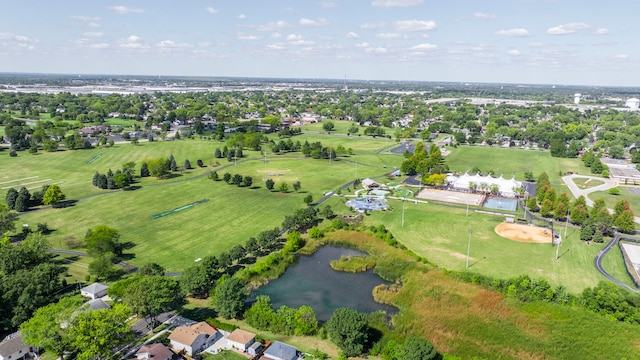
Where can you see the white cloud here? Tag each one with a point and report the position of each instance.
(372, 26)
(621, 56)
(377, 50)
(241, 36)
(352, 35)
(328, 4)
(415, 25)
(84, 18)
(481, 15)
(363, 45)
(310, 22)
(566, 29)
(94, 25)
(170, 44)
(14, 37)
(133, 42)
(273, 26)
(297, 40)
(395, 3)
(423, 47)
(513, 52)
(93, 34)
(293, 37)
(100, 46)
(125, 10)
(519, 32)
(601, 31)
(212, 10)
(277, 46)
(276, 35)
(241, 17)
(388, 36)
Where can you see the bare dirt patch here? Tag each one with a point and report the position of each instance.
(524, 233)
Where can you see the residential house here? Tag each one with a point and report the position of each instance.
(254, 349)
(94, 291)
(155, 352)
(241, 340)
(12, 348)
(194, 338)
(96, 304)
(280, 351)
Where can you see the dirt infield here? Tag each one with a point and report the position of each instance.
(451, 197)
(524, 233)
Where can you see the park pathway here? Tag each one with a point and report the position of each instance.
(577, 192)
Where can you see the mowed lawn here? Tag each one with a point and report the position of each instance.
(441, 234)
(612, 200)
(232, 215)
(514, 162)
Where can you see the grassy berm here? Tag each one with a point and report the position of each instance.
(469, 321)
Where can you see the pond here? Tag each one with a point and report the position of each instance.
(312, 281)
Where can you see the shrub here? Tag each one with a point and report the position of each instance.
(614, 191)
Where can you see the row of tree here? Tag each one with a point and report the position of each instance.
(23, 200)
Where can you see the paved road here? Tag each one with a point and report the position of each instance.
(598, 262)
(568, 180)
(608, 184)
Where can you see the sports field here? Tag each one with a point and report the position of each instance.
(524, 233)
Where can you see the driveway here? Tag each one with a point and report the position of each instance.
(608, 184)
(577, 192)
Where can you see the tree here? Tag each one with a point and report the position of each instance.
(103, 267)
(261, 315)
(226, 177)
(158, 167)
(283, 188)
(187, 164)
(218, 154)
(53, 195)
(596, 166)
(625, 221)
(228, 297)
(416, 348)
(97, 333)
(306, 322)
(237, 179)
(151, 269)
(328, 126)
(22, 201)
(48, 328)
(150, 296)
(528, 175)
(308, 199)
(327, 212)
(214, 176)
(348, 329)
(195, 281)
(532, 204)
(144, 170)
(547, 208)
(120, 180)
(586, 231)
(269, 184)
(578, 214)
(248, 181)
(7, 219)
(12, 195)
(102, 240)
(173, 166)
(297, 186)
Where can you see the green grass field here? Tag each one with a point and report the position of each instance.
(234, 214)
(441, 234)
(611, 200)
(514, 162)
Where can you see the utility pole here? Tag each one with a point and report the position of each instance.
(468, 248)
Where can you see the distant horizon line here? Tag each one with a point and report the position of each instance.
(316, 79)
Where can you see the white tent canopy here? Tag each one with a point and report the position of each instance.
(506, 187)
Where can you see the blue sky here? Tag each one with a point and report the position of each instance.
(514, 41)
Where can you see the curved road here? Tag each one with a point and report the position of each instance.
(598, 263)
(576, 191)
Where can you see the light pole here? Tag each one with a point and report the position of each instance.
(566, 224)
(468, 248)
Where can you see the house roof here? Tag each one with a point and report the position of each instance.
(156, 351)
(281, 351)
(241, 336)
(97, 304)
(11, 344)
(369, 182)
(188, 334)
(94, 288)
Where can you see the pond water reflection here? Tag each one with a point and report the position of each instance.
(312, 282)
